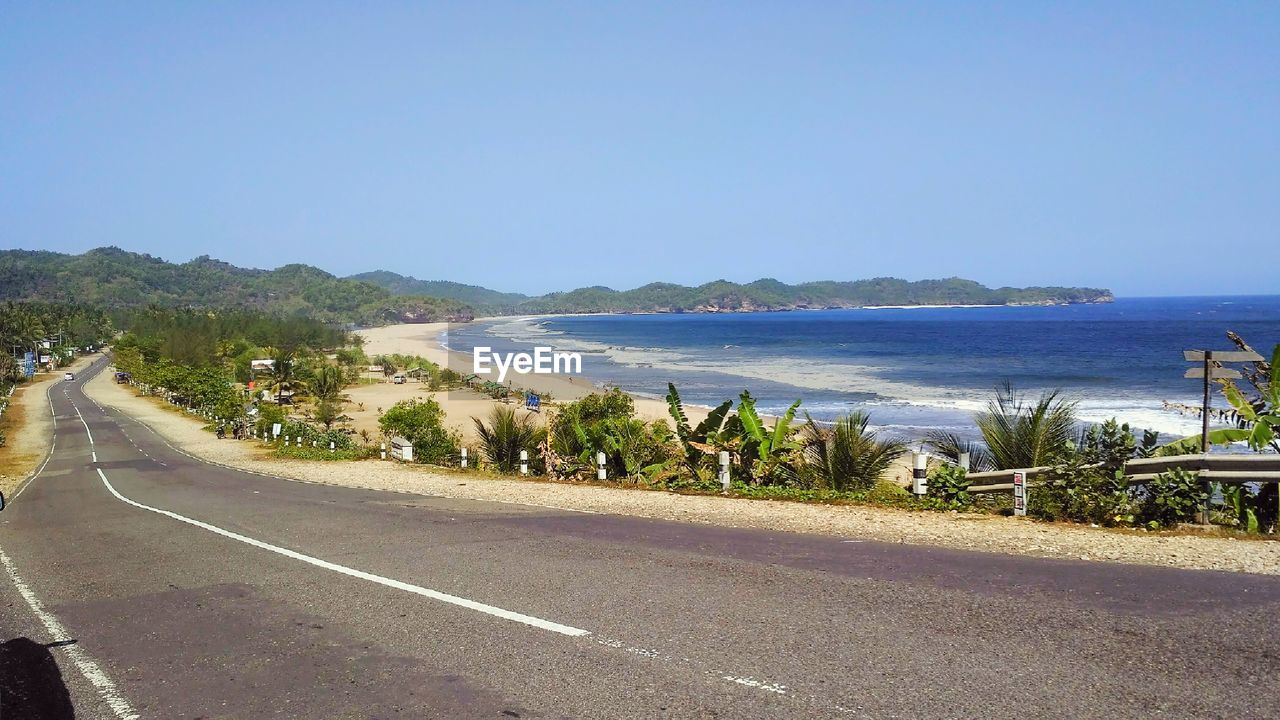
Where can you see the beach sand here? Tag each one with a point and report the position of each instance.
(460, 406)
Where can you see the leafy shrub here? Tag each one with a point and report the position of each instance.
(606, 422)
(950, 483)
(268, 415)
(311, 434)
(421, 422)
(885, 492)
(1072, 490)
(306, 452)
(1172, 497)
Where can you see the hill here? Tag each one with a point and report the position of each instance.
(113, 278)
(770, 294)
(484, 300)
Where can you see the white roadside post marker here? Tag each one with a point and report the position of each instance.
(724, 470)
(600, 473)
(384, 451)
(1019, 492)
(963, 461)
(464, 458)
(524, 462)
(331, 447)
(299, 441)
(919, 476)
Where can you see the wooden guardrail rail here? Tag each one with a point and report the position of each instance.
(1215, 467)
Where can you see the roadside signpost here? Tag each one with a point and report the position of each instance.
(1211, 369)
(1019, 493)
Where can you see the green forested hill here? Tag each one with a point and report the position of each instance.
(482, 299)
(114, 278)
(769, 294)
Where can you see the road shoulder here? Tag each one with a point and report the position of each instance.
(953, 530)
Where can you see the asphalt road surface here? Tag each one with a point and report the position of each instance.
(139, 582)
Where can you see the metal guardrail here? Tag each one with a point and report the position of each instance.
(1215, 467)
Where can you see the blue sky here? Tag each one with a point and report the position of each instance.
(545, 146)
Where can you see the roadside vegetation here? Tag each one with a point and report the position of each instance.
(204, 362)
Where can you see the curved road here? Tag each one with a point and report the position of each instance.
(139, 582)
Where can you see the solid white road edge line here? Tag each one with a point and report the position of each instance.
(83, 662)
(388, 582)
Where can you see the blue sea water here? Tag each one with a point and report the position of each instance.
(912, 369)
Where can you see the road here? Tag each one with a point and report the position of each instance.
(140, 582)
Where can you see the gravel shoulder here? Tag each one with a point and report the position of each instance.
(28, 427)
(983, 533)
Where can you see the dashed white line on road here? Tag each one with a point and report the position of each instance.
(360, 574)
(83, 662)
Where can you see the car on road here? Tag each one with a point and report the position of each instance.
(68, 376)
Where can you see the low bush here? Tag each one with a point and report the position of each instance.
(421, 422)
(307, 452)
(950, 484)
(1172, 497)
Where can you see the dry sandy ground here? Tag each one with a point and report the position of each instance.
(460, 406)
(423, 340)
(972, 532)
(29, 427)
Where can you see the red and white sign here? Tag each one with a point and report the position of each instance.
(1019, 493)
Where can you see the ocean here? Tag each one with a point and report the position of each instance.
(912, 369)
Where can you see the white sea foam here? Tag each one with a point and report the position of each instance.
(870, 381)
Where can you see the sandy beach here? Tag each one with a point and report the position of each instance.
(461, 405)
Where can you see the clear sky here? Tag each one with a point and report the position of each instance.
(540, 146)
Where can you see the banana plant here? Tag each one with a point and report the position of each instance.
(1242, 505)
(1260, 418)
(705, 439)
(764, 451)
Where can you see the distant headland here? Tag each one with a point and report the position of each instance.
(115, 278)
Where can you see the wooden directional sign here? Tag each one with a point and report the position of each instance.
(1221, 356)
(1214, 374)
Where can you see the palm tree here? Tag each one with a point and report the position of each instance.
(846, 455)
(1019, 434)
(950, 446)
(284, 376)
(327, 383)
(506, 435)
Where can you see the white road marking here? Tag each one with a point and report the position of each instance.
(47, 458)
(83, 662)
(82, 422)
(360, 574)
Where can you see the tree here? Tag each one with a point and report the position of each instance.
(421, 422)
(327, 383)
(1021, 434)
(847, 456)
(506, 435)
(284, 377)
